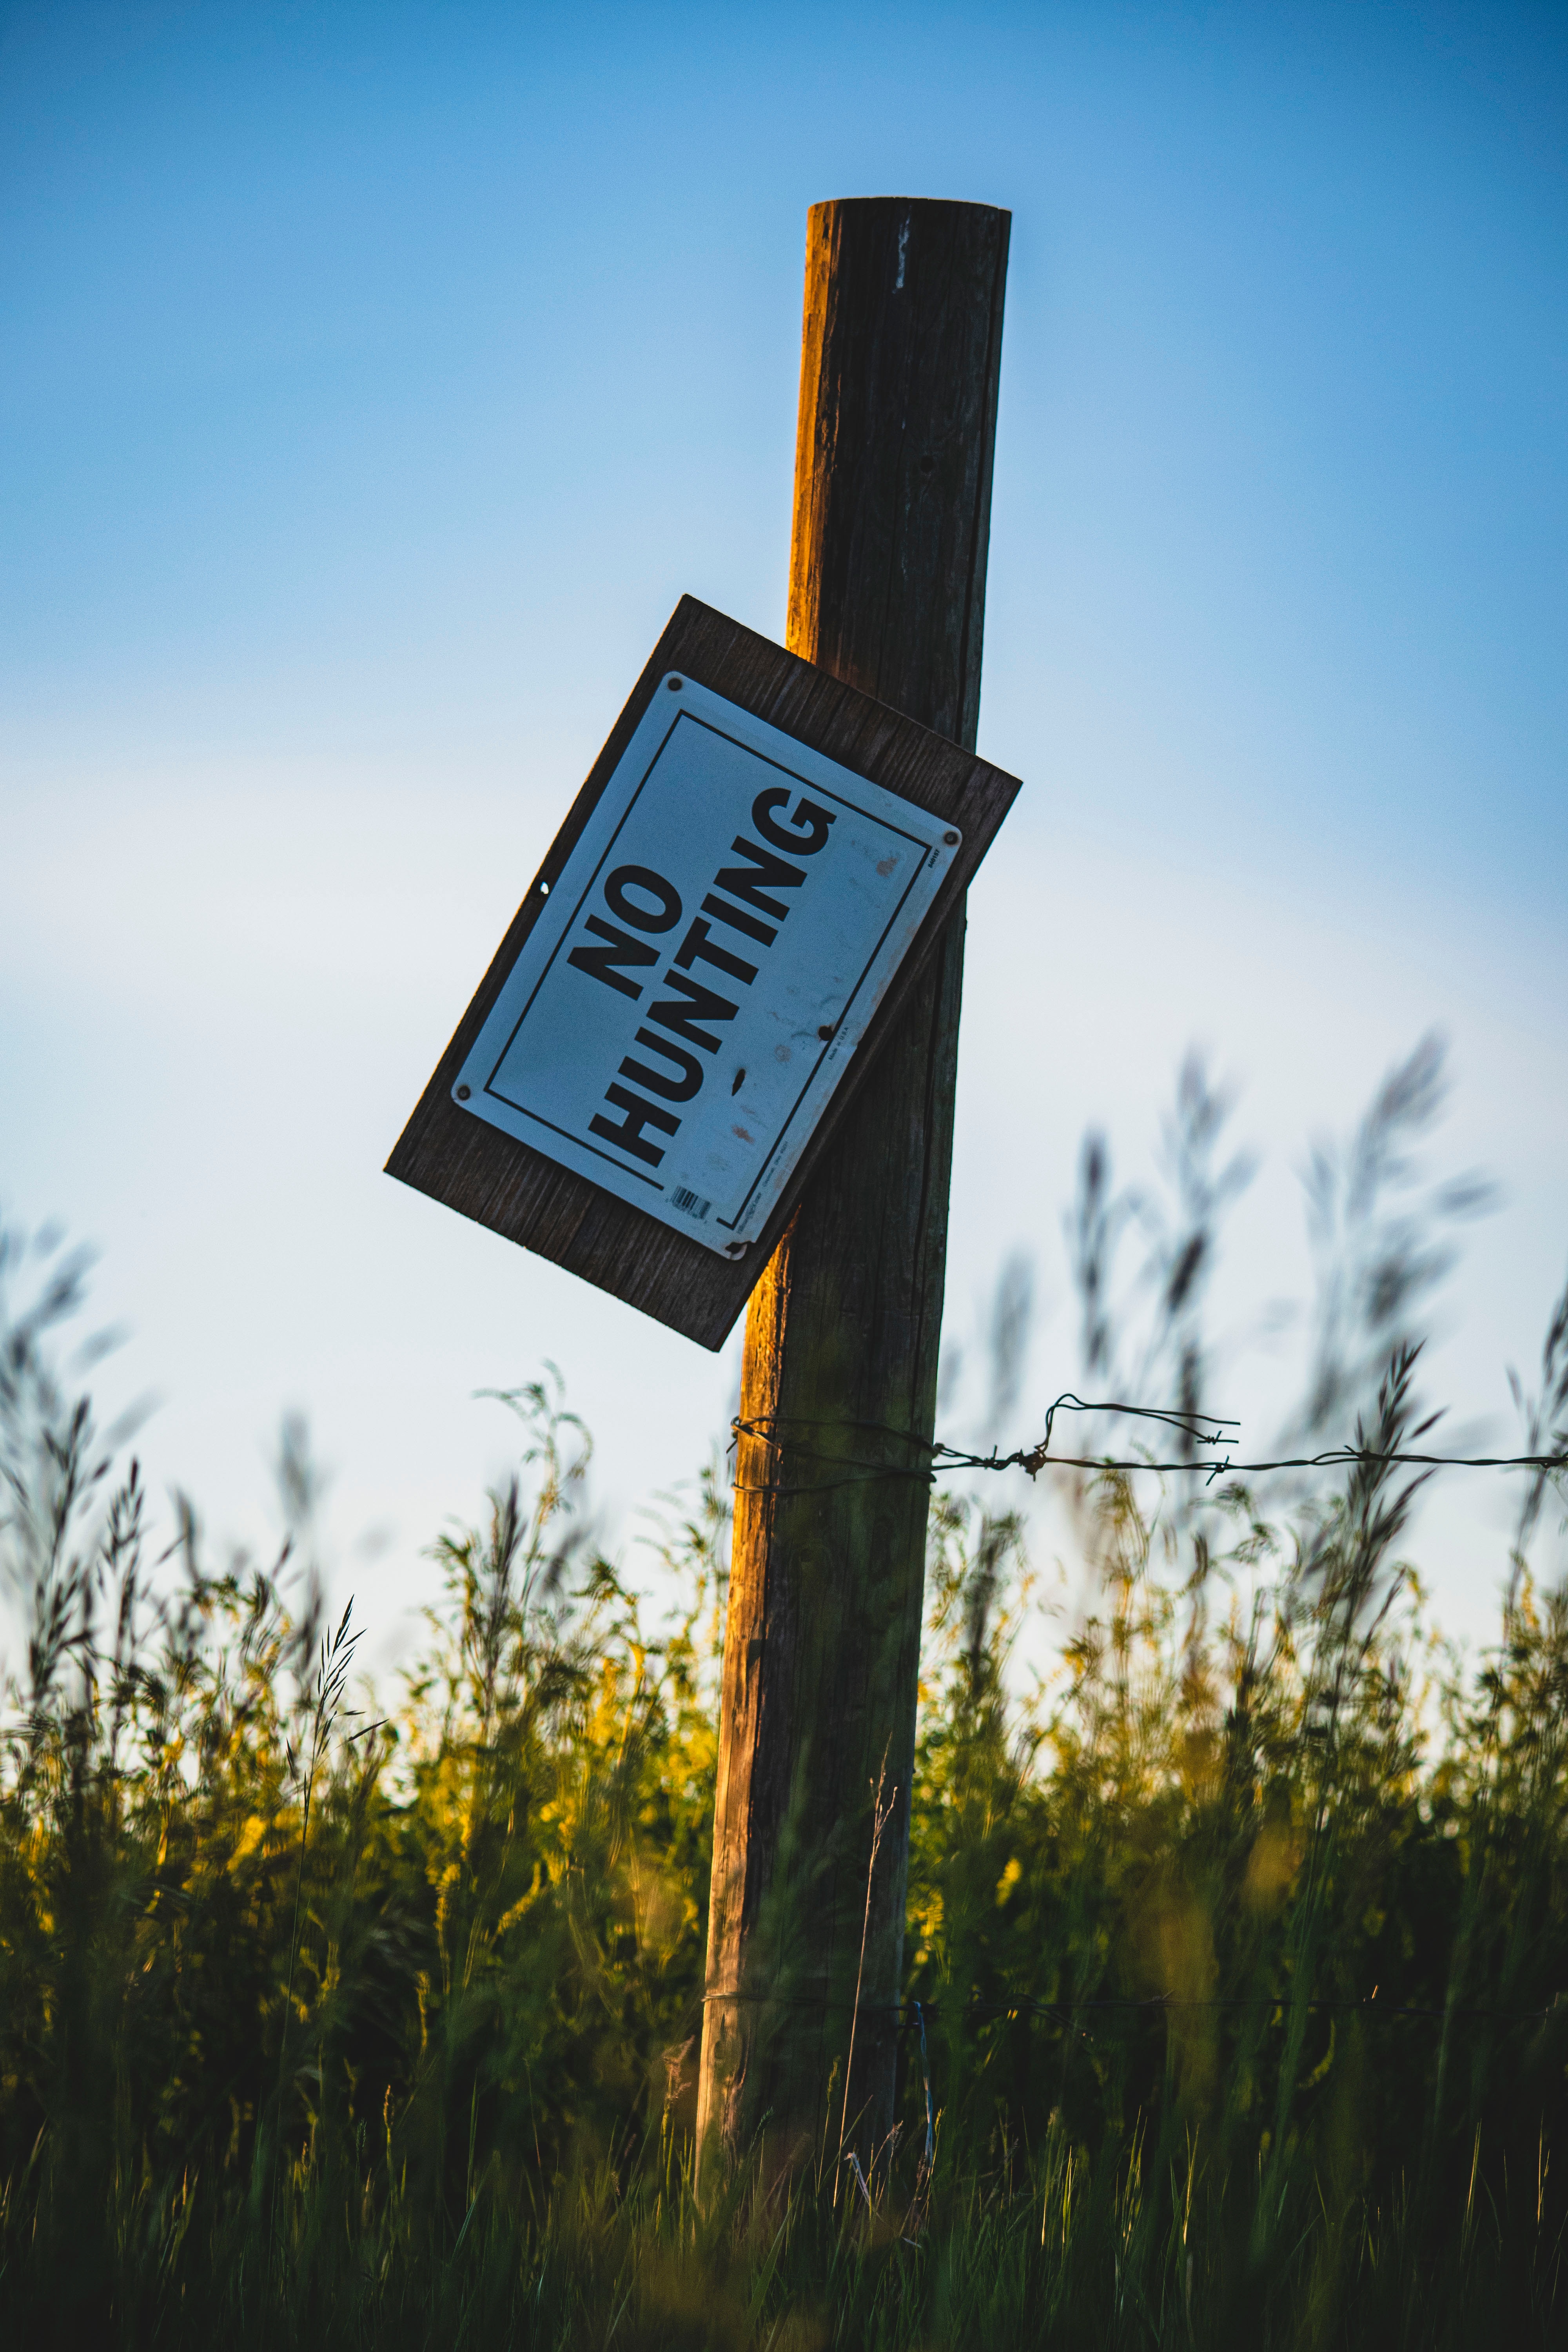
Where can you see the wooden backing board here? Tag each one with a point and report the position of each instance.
(474, 1168)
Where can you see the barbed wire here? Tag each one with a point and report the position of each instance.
(1200, 1429)
(1028, 2004)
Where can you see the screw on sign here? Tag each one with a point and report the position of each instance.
(713, 1063)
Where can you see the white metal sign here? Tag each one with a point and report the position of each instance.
(705, 965)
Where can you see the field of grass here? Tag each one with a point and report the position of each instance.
(1235, 1948)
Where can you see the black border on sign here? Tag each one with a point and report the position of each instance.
(843, 800)
(520, 1193)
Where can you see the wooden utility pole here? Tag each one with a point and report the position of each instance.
(893, 500)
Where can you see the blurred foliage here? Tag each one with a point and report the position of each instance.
(1235, 1941)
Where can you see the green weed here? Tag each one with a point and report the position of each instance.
(1235, 1950)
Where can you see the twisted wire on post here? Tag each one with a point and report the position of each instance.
(1026, 2005)
(1201, 1428)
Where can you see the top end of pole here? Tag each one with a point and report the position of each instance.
(901, 350)
(930, 208)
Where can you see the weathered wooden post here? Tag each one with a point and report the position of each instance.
(733, 987)
(892, 496)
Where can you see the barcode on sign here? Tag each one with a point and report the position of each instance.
(692, 1202)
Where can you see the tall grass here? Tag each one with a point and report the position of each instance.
(1234, 1948)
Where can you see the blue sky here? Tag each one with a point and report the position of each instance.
(378, 377)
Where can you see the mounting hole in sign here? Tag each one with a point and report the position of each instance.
(673, 683)
(463, 1093)
(826, 1031)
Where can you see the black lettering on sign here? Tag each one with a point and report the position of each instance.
(697, 947)
(701, 1005)
(600, 962)
(678, 1088)
(762, 873)
(807, 828)
(618, 898)
(629, 1134)
(723, 912)
(649, 903)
